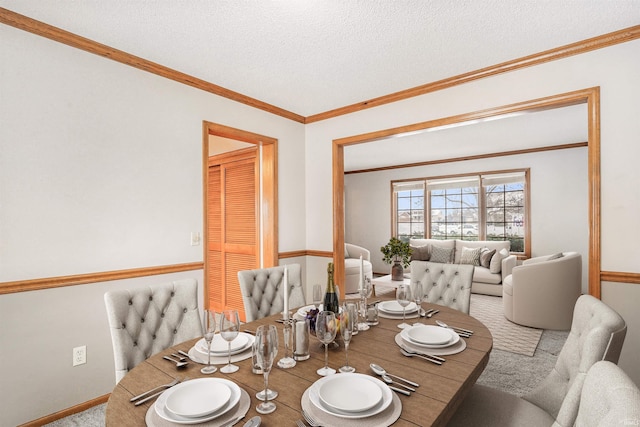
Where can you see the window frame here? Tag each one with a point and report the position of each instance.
(482, 204)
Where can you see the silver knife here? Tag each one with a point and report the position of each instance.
(399, 390)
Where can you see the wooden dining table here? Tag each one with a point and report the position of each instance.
(442, 387)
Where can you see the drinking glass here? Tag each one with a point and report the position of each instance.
(403, 295)
(347, 320)
(229, 328)
(318, 295)
(418, 295)
(266, 350)
(209, 330)
(326, 333)
(287, 361)
(365, 292)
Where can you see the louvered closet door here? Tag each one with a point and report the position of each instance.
(233, 228)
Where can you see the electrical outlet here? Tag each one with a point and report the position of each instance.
(195, 238)
(80, 355)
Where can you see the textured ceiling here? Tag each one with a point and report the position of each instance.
(312, 56)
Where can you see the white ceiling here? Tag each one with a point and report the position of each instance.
(311, 56)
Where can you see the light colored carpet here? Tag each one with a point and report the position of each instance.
(507, 336)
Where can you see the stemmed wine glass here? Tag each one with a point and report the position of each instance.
(229, 328)
(318, 295)
(365, 292)
(418, 295)
(403, 295)
(266, 350)
(347, 319)
(326, 333)
(209, 330)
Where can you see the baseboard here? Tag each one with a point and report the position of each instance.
(66, 412)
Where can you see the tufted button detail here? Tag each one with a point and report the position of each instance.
(124, 326)
(135, 343)
(150, 298)
(162, 315)
(142, 320)
(456, 273)
(184, 310)
(130, 302)
(154, 335)
(175, 331)
(173, 293)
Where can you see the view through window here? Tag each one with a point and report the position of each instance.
(488, 206)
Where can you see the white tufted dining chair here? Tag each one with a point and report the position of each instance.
(146, 320)
(597, 333)
(444, 284)
(263, 293)
(609, 398)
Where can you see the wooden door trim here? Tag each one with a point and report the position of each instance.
(589, 96)
(268, 209)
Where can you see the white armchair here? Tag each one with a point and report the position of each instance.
(542, 292)
(352, 266)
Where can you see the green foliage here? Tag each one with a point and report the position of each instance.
(396, 250)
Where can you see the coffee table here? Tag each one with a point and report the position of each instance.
(386, 281)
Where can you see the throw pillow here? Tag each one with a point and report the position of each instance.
(496, 261)
(555, 256)
(346, 252)
(420, 253)
(470, 256)
(442, 255)
(485, 257)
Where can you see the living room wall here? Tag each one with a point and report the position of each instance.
(368, 201)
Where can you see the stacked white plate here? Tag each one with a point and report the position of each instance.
(303, 311)
(429, 336)
(394, 308)
(220, 347)
(198, 401)
(350, 395)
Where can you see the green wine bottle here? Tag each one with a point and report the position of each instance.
(331, 300)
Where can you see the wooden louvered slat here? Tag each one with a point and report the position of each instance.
(240, 204)
(233, 296)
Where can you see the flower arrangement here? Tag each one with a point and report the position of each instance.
(396, 250)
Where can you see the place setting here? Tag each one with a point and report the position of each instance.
(211, 400)
(350, 399)
(429, 342)
(400, 308)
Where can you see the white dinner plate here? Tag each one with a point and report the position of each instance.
(393, 307)
(193, 399)
(387, 397)
(453, 337)
(161, 408)
(302, 311)
(220, 346)
(349, 393)
(429, 335)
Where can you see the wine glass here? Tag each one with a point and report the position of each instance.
(229, 328)
(418, 295)
(347, 319)
(209, 330)
(326, 333)
(403, 295)
(266, 350)
(318, 295)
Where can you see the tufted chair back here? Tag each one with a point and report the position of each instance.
(609, 398)
(147, 320)
(263, 293)
(597, 333)
(444, 284)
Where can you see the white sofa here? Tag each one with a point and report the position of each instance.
(542, 292)
(486, 280)
(352, 266)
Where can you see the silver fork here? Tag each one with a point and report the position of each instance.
(160, 387)
(428, 316)
(422, 356)
(312, 422)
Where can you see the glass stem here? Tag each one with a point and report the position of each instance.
(346, 351)
(403, 311)
(326, 357)
(229, 346)
(266, 387)
(209, 354)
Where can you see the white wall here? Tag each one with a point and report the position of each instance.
(614, 69)
(558, 186)
(100, 170)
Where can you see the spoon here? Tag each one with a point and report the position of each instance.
(253, 422)
(379, 370)
(388, 380)
(178, 363)
(428, 316)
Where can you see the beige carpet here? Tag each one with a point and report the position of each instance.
(507, 336)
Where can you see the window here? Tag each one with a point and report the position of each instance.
(488, 206)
